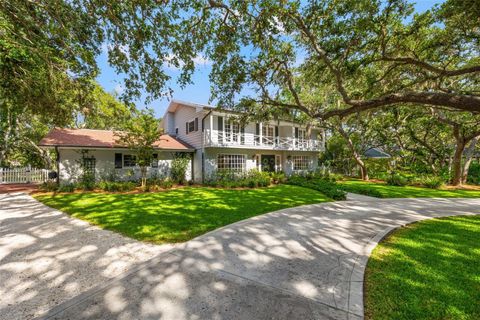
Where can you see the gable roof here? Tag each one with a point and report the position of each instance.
(90, 138)
(376, 153)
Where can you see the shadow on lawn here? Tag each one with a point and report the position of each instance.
(427, 270)
(181, 214)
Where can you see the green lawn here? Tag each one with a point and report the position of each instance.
(179, 214)
(382, 190)
(427, 270)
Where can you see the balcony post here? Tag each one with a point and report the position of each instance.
(210, 130)
(260, 127)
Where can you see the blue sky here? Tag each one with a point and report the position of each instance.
(199, 91)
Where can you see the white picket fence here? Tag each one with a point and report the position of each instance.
(23, 175)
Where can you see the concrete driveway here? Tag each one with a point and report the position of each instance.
(298, 263)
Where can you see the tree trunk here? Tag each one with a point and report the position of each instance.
(356, 156)
(457, 162)
(468, 159)
(143, 171)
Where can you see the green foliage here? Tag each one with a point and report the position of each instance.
(382, 190)
(324, 184)
(278, 177)
(87, 181)
(49, 186)
(179, 214)
(426, 270)
(67, 187)
(474, 174)
(397, 179)
(116, 186)
(141, 132)
(432, 182)
(179, 168)
(361, 189)
(233, 179)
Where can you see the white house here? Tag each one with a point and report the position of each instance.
(214, 139)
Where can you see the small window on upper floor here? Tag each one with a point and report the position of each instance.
(176, 131)
(191, 126)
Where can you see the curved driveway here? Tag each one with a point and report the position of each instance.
(298, 263)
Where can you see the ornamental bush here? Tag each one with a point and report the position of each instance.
(178, 169)
(327, 186)
(234, 179)
(396, 179)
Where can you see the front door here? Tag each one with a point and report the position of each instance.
(268, 162)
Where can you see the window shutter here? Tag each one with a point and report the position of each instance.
(220, 123)
(186, 127)
(196, 124)
(118, 160)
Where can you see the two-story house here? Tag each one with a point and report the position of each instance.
(214, 139)
(221, 141)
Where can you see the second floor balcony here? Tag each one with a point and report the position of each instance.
(240, 139)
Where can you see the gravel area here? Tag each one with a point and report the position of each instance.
(47, 257)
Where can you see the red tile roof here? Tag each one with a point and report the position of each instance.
(89, 138)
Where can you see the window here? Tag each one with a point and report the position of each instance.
(234, 162)
(129, 160)
(267, 134)
(191, 126)
(118, 160)
(301, 162)
(154, 160)
(302, 134)
(278, 163)
(232, 131)
(176, 131)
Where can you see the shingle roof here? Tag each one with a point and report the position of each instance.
(376, 153)
(89, 138)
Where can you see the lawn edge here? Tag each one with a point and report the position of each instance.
(376, 240)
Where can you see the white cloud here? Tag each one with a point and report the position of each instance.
(119, 89)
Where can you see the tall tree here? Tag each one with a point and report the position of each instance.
(372, 53)
(141, 133)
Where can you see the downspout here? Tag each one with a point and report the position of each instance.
(58, 164)
(203, 148)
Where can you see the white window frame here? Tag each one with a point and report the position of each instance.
(130, 155)
(278, 163)
(238, 166)
(301, 163)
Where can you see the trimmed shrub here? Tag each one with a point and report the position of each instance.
(396, 179)
(113, 186)
(232, 179)
(326, 186)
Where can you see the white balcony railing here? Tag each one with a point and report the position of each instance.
(213, 138)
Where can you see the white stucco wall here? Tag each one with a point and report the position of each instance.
(70, 165)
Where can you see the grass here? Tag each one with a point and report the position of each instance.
(427, 270)
(382, 190)
(179, 214)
